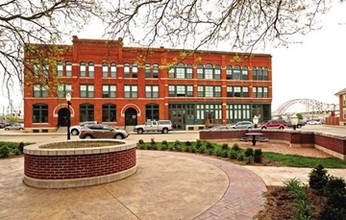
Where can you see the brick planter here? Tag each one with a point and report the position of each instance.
(331, 144)
(74, 167)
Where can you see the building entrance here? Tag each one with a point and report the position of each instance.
(130, 117)
(62, 117)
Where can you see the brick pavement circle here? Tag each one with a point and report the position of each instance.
(240, 198)
(243, 198)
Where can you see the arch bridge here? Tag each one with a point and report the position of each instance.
(311, 105)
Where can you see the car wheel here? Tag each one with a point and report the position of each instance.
(6, 129)
(165, 131)
(281, 128)
(263, 127)
(74, 132)
(119, 136)
(299, 126)
(140, 131)
(88, 136)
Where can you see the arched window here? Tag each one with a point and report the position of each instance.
(82, 69)
(91, 69)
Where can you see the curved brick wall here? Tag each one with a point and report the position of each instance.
(62, 168)
(331, 144)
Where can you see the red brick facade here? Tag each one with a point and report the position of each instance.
(124, 86)
(78, 166)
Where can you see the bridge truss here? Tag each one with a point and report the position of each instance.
(311, 105)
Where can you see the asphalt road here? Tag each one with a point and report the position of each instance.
(19, 136)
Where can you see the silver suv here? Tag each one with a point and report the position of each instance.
(162, 126)
(242, 125)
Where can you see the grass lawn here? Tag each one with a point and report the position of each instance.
(300, 161)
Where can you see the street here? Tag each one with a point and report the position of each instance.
(19, 136)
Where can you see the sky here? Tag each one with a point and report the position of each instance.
(314, 69)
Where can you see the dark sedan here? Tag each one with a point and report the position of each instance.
(102, 131)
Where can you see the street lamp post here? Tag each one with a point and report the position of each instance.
(294, 121)
(68, 99)
(255, 120)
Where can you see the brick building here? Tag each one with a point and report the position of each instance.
(341, 120)
(125, 86)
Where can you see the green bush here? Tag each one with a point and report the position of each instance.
(21, 147)
(209, 145)
(258, 156)
(4, 151)
(233, 155)
(164, 143)
(318, 178)
(335, 191)
(225, 147)
(240, 156)
(248, 152)
(16, 151)
(188, 143)
(140, 141)
(235, 147)
(198, 144)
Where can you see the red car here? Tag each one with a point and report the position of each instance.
(280, 124)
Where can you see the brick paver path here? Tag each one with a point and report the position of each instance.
(244, 196)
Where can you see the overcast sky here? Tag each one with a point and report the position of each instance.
(314, 69)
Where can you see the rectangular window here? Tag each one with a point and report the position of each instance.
(151, 91)
(63, 89)
(105, 70)
(260, 92)
(40, 91)
(344, 100)
(86, 91)
(180, 91)
(59, 68)
(109, 91)
(68, 67)
(82, 69)
(130, 91)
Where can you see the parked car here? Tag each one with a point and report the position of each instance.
(14, 126)
(280, 124)
(313, 122)
(220, 128)
(75, 130)
(242, 125)
(300, 124)
(2, 124)
(162, 126)
(102, 131)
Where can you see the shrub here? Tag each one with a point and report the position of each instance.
(140, 141)
(21, 147)
(209, 145)
(235, 147)
(233, 155)
(258, 156)
(164, 142)
(163, 146)
(224, 147)
(16, 151)
(240, 156)
(318, 178)
(249, 159)
(198, 144)
(335, 191)
(188, 143)
(4, 151)
(248, 152)
(201, 149)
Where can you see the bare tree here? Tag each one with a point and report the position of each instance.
(36, 21)
(241, 24)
